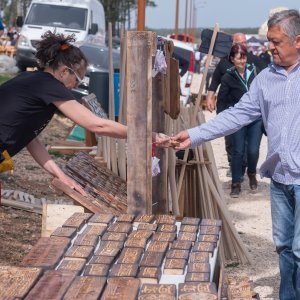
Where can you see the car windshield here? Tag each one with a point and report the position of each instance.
(98, 57)
(57, 16)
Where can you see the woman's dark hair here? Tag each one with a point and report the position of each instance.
(56, 49)
(238, 48)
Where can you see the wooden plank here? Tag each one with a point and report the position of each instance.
(136, 243)
(114, 236)
(144, 226)
(189, 228)
(164, 236)
(174, 89)
(113, 152)
(190, 221)
(86, 240)
(197, 277)
(124, 270)
(130, 256)
(149, 275)
(143, 218)
(67, 232)
(46, 253)
(211, 222)
(152, 259)
(101, 259)
(210, 230)
(52, 286)
(158, 291)
(121, 289)
(140, 234)
(86, 288)
(139, 121)
(201, 257)
(79, 252)
(77, 220)
(165, 219)
(174, 266)
(181, 245)
(16, 282)
(197, 290)
(187, 236)
(127, 218)
(96, 270)
(84, 201)
(109, 248)
(208, 238)
(22, 205)
(75, 266)
(159, 182)
(157, 246)
(54, 215)
(204, 247)
(178, 254)
(167, 228)
(120, 227)
(101, 219)
(198, 267)
(95, 229)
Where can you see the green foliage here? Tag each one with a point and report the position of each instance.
(4, 78)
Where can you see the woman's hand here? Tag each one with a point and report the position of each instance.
(160, 140)
(183, 139)
(72, 184)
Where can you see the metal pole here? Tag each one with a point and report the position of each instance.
(141, 15)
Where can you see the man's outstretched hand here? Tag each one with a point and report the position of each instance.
(183, 140)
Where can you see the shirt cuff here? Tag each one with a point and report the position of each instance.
(195, 137)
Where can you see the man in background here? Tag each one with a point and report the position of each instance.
(221, 68)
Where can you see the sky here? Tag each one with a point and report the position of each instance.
(228, 13)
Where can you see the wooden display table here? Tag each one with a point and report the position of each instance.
(104, 257)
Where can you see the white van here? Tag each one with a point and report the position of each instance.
(83, 18)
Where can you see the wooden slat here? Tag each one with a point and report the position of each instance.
(15, 282)
(121, 289)
(159, 182)
(46, 253)
(52, 285)
(85, 288)
(139, 120)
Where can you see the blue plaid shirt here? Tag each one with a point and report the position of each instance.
(274, 95)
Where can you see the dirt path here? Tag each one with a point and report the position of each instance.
(251, 216)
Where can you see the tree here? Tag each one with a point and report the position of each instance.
(119, 11)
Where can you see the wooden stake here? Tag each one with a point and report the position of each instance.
(139, 118)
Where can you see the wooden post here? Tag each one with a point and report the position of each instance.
(112, 142)
(139, 120)
(159, 182)
(141, 15)
(176, 19)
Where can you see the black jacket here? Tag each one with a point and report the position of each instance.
(233, 86)
(225, 64)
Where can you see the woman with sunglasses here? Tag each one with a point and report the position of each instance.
(29, 101)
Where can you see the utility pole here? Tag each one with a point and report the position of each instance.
(185, 21)
(141, 15)
(176, 19)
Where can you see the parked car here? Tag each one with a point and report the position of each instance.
(97, 57)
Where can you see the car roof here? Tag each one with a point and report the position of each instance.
(180, 44)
